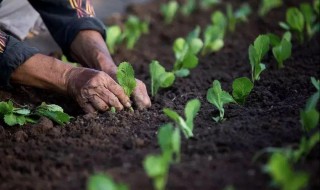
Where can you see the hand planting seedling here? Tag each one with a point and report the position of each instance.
(205, 4)
(309, 117)
(295, 22)
(126, 79)
(159, 77)
(113, 38)
(256, 53)
(169, 11)
(241, 88)
(239, 15)
(282, 52)
(283, 175)
(134, 28)
(190, 111)
(157, 168)
(188, 7)
(169, 141)
(104, 182)
(213, 39)
(219, 98)
(185, 52)
(21, 116)
(267, 5)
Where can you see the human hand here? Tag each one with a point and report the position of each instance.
(95, 90)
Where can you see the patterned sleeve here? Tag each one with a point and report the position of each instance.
(65, 18)
(13, 53)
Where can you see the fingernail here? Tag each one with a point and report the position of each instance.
(128, 104)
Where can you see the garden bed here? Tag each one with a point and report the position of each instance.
(45, 156)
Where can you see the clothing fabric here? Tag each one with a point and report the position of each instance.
(63, 18)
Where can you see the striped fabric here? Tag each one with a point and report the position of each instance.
(85, 10)
(3, 40)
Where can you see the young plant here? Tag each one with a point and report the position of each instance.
(316, 6)
(294, 22)
(305, 146)
(219, 19)
(310, 18)
(113, 38)
(276, 40)
(190, 111)
(14, 116)
(126, 79)
(219, 98)
(241, 88)
(267, 5)
(169, 140)
(256, 53)
(239, 15)
(205, 4)
(53, 112)
(104, 182)
(213, 39)
(157, 168)
(283, 175)
(282, 52)
(188, 7)
(134, 28)
(169, 11)
(185, 52)
(159, 77)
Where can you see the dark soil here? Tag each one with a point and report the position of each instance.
(46, 156)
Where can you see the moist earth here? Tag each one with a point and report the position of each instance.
(48, 156)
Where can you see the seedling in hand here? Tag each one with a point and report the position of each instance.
(113, 38)
(239, 15)
(186, 55)
(241, 89)
(256, 53)
(169, 11)
(169, 140)
(126, 79)
(134, 28)
(159, 77)
(267, 5)
(219, 98)
(104, 182)
(190, 111)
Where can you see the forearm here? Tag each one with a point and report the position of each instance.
(42, 72)
(90, 50)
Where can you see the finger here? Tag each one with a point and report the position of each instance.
(98, 103)
(117, 90)
(108, 97)
(85, 105)
(141, 97)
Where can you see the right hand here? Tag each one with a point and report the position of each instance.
(95, 90)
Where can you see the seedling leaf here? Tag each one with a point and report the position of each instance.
(125, 77)
(114, 37)
(241, 89)
(169, 11)
(156, 167)
(103, 182)
(159, 77)
(282, 52)
(170, 141)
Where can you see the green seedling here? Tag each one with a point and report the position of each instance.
(134, 28)
(219, 98)
(53, 112)
(276, 40)
(169, 140)
(283, 175)
(310, 17)
(188, 7)
(205, 4)
(169, 11)
(159, 77)
(186, 125)
(185, 52)
(309, 117)
(267, 5)
(241, 88)
(305, 147)
(316, 6)
(113, 38)
(239, 15)
(14, 116)
(256, 53)
(104, 182)
(213, 39)
(219, 19)
(295, 22)
(282, 52)
(157, 168)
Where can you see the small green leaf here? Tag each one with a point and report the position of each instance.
(218, 18)
(159, 77)
(22, 111)
(157, 168)
(114, 36)
(6, 107)
(182, 73)
(282, 52)
(125, 77)
(169, 141)
(268, 5)
(316, 83)
(169, 11)
(241, 89)
(10, 119)
(309, 119)
(103, 182)
(191, 110)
